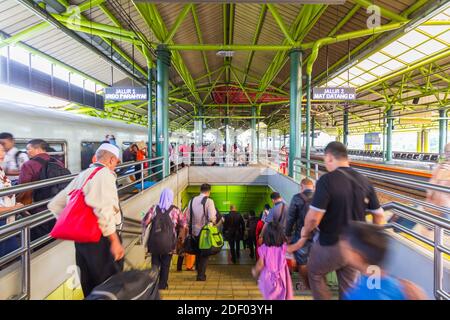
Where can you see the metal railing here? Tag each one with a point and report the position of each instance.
(21, 227)
(440, 227)
(418, 214)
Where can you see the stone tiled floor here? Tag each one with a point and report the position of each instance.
(224, 282)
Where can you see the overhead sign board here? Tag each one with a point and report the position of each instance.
(345, 93)
(123, 94)
(372, 138)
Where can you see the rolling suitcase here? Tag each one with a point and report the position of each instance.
(128, 285)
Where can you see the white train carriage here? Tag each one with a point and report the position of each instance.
(72, 136)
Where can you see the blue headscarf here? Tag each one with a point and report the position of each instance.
(166, 199)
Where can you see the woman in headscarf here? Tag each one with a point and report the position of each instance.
(163, 216)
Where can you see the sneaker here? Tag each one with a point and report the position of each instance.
(201, 279)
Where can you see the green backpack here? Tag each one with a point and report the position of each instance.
(211, 240)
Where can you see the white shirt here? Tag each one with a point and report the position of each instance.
(100, 193)
(10, 163)
(6, 201)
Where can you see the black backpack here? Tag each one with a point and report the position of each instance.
(251, 225)
(50, 169)
(161, 239)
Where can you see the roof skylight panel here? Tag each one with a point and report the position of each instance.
(395, 48)
(431, 47)
(355, 71)
(368, 77)
(393, 64)
(366, 65)
(413, 38)
(379, 58)
(445, 36)
(411, 56)
(433, 30)
(380, 71)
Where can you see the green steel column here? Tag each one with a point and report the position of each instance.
(389, 122)
(313, 129)
(200, 126)
(162, 107)
(253, 126)
(150, 110)
(295, 108)
(308, 124)
(443, 123)
(345, 129)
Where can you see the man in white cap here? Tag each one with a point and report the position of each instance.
(97, 260)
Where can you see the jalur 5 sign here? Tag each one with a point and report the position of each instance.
(334, 93)
(123, 94)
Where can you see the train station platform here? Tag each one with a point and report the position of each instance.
(243, 96)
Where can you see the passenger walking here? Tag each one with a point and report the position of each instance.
(7, 203)
(203, 212)
(41, 166)
(233, 229)
(298, 209)
(251, 232)
(365, 246)
(271, 269)
(13, 159)
(260, 226)
(342, 195)
(165, 219)
(441, 176)
(278, 212)
(97, 260)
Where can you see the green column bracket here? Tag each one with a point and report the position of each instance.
(295, 108)
(162, 107)
(389, 123)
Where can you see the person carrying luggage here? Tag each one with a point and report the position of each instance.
(164, 218)
(96, 260)
(203, 212)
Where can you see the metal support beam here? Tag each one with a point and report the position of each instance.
(313, 129)
(178, 22)
(253, 136)
(345, 127)
(162, 107)
(443, 127)
(389, 124)
(295, 108)
(308, 124)
(280, 23)
(151, 73)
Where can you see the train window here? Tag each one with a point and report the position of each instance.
(57, 148)
(88, 149)
(426, 157)
(434, 157)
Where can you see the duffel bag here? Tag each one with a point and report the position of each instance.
(211, 241)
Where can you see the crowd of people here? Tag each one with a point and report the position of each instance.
(323, 229)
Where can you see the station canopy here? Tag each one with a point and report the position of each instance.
(230, 57)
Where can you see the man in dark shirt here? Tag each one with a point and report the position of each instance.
(298, 208)
(37, 150)
(342, 195)
(234, 228)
